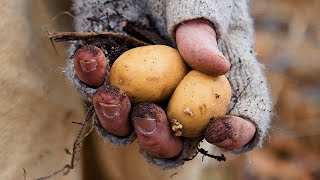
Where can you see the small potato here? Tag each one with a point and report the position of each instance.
(197, 99)
(148, 73)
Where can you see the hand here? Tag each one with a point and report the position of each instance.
(150, 122)
(116, 114)
(197, 44)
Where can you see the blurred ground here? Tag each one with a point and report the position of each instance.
(288, 43)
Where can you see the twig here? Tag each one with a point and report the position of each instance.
(24, 174)
(71, 36)
(173, 174)
(74, 122)
(144, 34)
(87, 134)
(52, 41)
(76, 145)
(65, 170)
(205, 153)
(237, 98)
(67, 151)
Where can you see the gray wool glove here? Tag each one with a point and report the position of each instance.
(233, 25)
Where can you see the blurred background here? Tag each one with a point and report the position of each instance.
(288, 43)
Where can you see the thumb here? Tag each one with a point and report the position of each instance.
(197, 44)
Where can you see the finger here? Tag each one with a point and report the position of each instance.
(230, 132)
(113, 107)
(153, 131)
(197, 44)
(90, 65)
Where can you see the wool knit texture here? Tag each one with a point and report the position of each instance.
(233, 25)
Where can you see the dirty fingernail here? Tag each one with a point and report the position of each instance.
(110, 110)
(218, 130)
(230, 132)
(145, 125)
(91, 65)
(88, 66)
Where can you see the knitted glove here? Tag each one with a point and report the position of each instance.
(252, 102)
(232, 24)
(234, 29)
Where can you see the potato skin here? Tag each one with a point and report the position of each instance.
(148, 73)
(197, 99)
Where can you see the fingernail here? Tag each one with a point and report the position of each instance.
(218, 130)
(110, 110)
(88, 66)
(222, 57)
(145, 125)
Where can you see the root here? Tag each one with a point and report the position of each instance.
(76, 146)
(76, 36)
(113, 44)
(24, 174)
(205, 153)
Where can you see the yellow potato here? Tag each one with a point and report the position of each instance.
(148, 73)
(197, 99)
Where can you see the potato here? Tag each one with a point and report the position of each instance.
(148, 73)
(197, 99)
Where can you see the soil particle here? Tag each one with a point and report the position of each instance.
(89, 48)
(116, 92)
(218, 130)
(143, 109)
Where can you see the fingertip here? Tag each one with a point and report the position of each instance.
(153, 131)
(230, 132)
(216, 65)
(112, 107)
(197, 43)
(90, 65)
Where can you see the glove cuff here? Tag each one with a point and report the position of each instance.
(217, 12)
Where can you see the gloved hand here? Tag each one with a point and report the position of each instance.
(218, 34)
